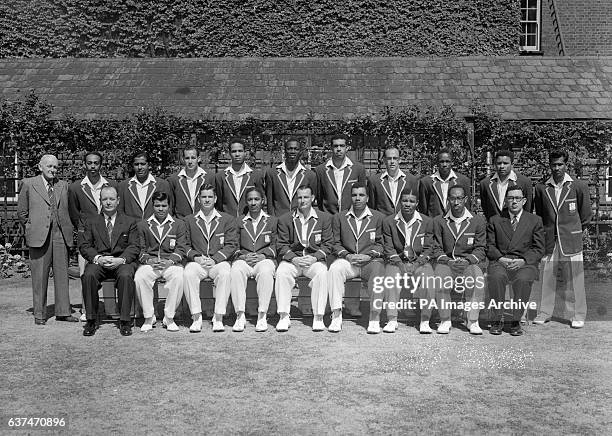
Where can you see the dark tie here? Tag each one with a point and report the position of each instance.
(52, 201)
(514, 223)
(109, 228)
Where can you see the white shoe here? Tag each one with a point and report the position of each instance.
(390, 327)
(336, 323)
(83, 317)
(283, 324)
(541, 319)
(577, 324)
(474, 328)
(317, 324)
(239, 324)
(196, 325)
(262, 325)
(170, 324)
(148, 324)
(373, 327)
(424, 328)
(444, 327)
(217, 324)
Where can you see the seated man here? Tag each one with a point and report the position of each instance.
(304, 242)
(162, 252)
(109, 244)
(358, 248)
(256, 257)
(515, 246)
(407, 244)
(460, 243)
(211, 241)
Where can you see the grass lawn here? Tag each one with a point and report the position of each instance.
(552, 380)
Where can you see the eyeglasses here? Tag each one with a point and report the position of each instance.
(456, 199)
(513, 199)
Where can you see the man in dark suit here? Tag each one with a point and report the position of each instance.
(564, 204)
(336, 176)
(43, 210)
(186, 184)
(232, 183)
(433, 189)
(109, 244)
(515, 245)
(493, 188)
(384, 189)
(282, 182)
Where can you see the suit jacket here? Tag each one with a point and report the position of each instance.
(379, 192)
(261, 241)
(93, 238)
(564, 220)
(220, 245)
(34, 211)
(469, 243)
(230, 200)
(183, 205)
(171, 244)
(421, 240)
(319, 238)
(430, 194)
(327, 197)
(527, 242)
(81, 203)
(490, 201)
(129, 204)
(280, 200)
(368, 240)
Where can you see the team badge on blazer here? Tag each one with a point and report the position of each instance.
(317, 237)
(267, 239)
(172, 244)
(470, 241)
(572, 206)
(221, 239)
(372, 236)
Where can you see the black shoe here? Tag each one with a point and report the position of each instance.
(39, 321)
(90, 328)
(66, 318)
(125, 328)
(496, 328)
(515, 329)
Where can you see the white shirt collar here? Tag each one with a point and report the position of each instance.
(248, 216)
(366, 212)
(347, 163)
(150, 179)
(154, 220)
(399, 175)
(451, 176)
(511, 176)
(312, 214)
(299, 167)
(199, 172)
(566, 178)
(215, 214)
(466, 214)
(100, 183)
(245, 169)
(45, 181)
(416, 217)
(518, 215)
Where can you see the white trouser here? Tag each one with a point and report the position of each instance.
(285, 281)
(342, 270)
(145, 279)
(263, 271)
(219, 273)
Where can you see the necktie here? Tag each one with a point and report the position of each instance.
(514, 223)
(109, 228)
(52, 200)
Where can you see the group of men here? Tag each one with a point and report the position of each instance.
(329, 224)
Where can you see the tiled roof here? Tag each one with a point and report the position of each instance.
(333, 88)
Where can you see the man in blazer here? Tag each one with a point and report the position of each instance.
(136, 193)
(336, 176)
(162, 243)
(433, 189)
(460, 251)
(109, 245)
(212, 240)
(358, 248)
(186, 184)
(515, 245)
(565, 207)
(493, 188)
(408, 248)
(384, 189)
(256, 257)
(305, 241)
(43, 210)
(232, 183)
(283, 180)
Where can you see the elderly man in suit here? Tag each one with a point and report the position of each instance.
(109, 244)
(43, 210)
(515, 245)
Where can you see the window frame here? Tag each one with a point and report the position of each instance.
(538, 22)
(16, 181)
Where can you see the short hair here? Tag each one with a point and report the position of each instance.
(93, 153)
(140, 154)
(159, 196)
(558, 153)
(207, 187)
(359, 185)
(391, 147)
(107, 187)
(504, 153)
(236, 140)
(189, 148)
(515, 187)
(409, 191)
(254, 189)
(458, 186)
(445, 150)
(305, 186)
(338, 136)
(293, 139)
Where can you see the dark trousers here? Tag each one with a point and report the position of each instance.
(521, 280)
(124, 282)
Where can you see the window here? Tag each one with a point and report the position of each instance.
(609, 183)
(8, 178)
(530, 25)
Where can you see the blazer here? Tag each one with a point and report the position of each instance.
(328, 200)
(368, 240)
(171, 244)
(233, 201)
(262, 241)
(94, 241)
(564, 220)
(421, 240)
(489, 199)
(34, 211)
(527, 242)
(469, 243)
(280, 200)
(180, 191)
(319, 237)
(81, 203)
(220, 245)
(379, 192)
(430, 194)
(129, 198)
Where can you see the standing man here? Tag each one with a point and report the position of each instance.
(384, 189)
(336, 176)
(282, 182)
(358, 248)
(232, 183)
(493, 189)
(186, 184)
(305, 240)
(564, 204)
(43, 210)
(109, 244)
(433, 189)
(212, 240)
(136, 193)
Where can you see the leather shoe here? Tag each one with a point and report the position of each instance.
(90, 328)
(66, 318)
(125, 328)
(39, 321)
(496, 328)
(515, 329)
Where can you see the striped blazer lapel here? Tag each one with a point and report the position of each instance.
(185, 188)
(401, 183)
(230, 183)
(437, 186)
(332, 181)
(494, 193)
(134, 193)
(245, 182)
(87, 191)
(299, 178)
(384, 181)
(550, 194)
(150, 191)
(348, 170)
(282, 179)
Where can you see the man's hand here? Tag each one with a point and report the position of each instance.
(505, 261)
(410, 268)
(113, 262)
(204, 261)
(516, 264)
(300, 262)
(458, 266)
(358, 259)
(253, 258)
